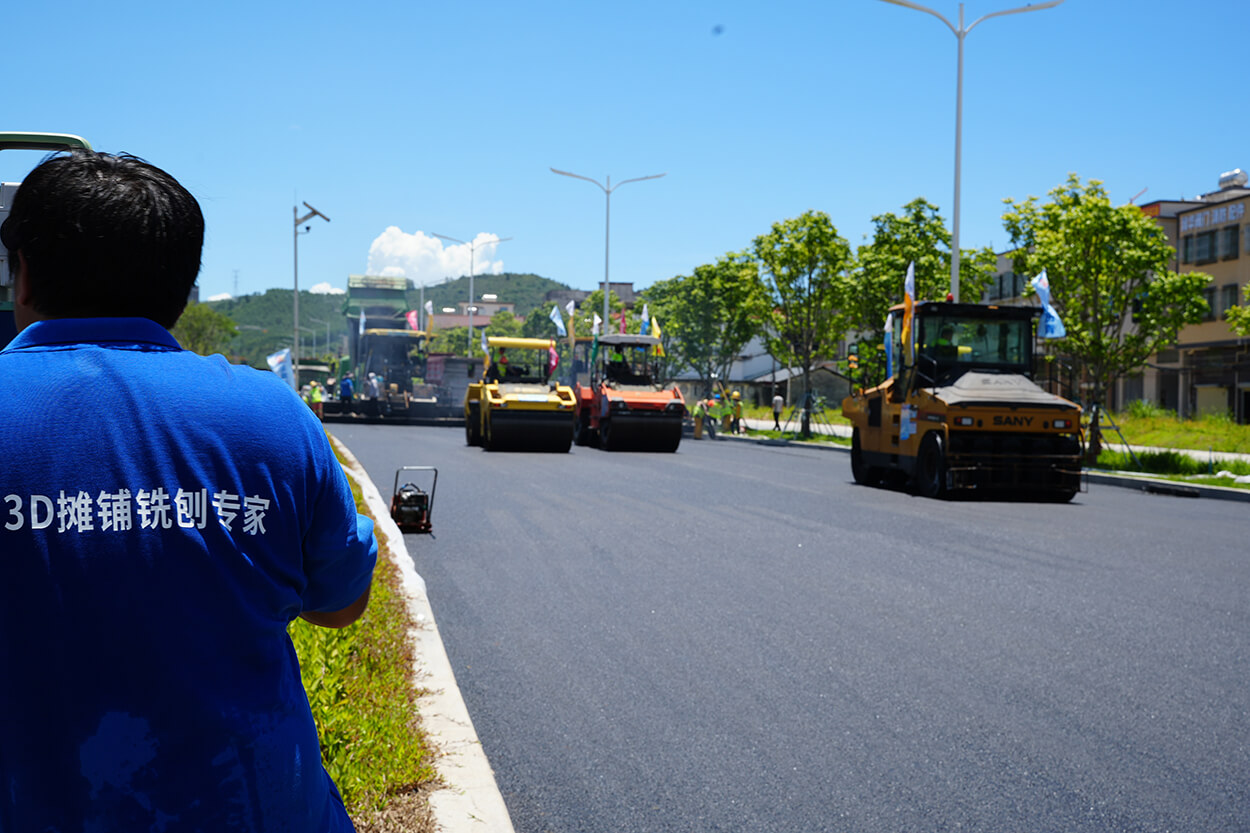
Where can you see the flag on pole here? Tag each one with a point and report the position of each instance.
(655, 331)
(889, 345)
(429, 307)
(553, 358)
(622, 322)
(280, 363)
(646, 319)
(1051, 325)
(414, 319)
(569, 307)
(485, 346)
(595, 324)
(909, 302)
(361, 330)
(558, 321)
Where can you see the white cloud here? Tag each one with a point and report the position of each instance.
(221, 296)
(427, 260)
(324, 288)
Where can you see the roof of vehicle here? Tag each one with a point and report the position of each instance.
(989, 311)
(520, 343)
(633, 339)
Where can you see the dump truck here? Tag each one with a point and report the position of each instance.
(622, 407)
(516, 405)
(965, 416)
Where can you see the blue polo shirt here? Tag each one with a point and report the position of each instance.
(163, 517)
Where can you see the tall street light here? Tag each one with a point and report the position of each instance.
(607, 224)
(960, 33)
(312, 212)
(472, 300)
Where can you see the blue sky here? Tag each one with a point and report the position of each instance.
(446, 118)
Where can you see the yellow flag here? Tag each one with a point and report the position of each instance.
(655, 331)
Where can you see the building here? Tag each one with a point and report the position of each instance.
(1209, 369)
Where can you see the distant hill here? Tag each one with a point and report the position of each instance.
(524, 290)
(265, 319)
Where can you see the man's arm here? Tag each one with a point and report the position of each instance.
(338, 618)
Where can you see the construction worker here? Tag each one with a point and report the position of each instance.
(737, 413)
(699, 412)
(315, 398)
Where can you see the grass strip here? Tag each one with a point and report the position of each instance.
(360, 686)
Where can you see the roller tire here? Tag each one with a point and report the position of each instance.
(864, 474)
(581, 430)
(930, 477)
(473, 427)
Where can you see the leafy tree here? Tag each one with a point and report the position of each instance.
(538, 323)
(453, 340)
(805, 265)
(706, 318)
(1109, 280)
(201, 329)
(1239, 317)
(504, 323)
(918, 236)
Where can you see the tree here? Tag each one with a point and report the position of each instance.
(538, 323)
(1109, 280)
(453, 340)
(504, 323)
(805, 265)
(708, 317)
(1239, 317)
(918, 236)
(202, 329)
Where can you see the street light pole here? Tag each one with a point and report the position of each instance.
(472, 300)
(607, 223)
(960, 33)
(312, 212)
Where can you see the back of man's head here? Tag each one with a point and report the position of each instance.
(105, 236)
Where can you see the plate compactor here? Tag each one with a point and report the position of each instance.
(410, 504)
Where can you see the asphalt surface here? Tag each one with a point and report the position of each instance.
(737, 638)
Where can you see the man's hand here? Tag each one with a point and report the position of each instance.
(338, 618)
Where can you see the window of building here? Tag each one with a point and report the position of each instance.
(1228, 242)
(1208, 295)
(1204, 247)
(1187, 246)
(1228, 298)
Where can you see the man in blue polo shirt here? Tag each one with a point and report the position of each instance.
(163, 518)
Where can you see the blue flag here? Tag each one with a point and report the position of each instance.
(1051, 325)
(558, 321)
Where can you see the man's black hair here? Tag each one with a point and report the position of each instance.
(105, 236)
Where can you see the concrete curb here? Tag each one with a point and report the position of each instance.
(469, 800)
(1143, 483)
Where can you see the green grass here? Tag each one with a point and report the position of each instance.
(360, 687)
(1144, 424)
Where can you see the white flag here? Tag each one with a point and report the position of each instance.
(558, 321)
(485, 346)
(429, 307)
(280, 363)
(569, 307)
(595, 324)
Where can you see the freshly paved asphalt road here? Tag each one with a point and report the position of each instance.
(737, 638)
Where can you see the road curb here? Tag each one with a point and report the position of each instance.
(1150, 485)
(469, 800)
